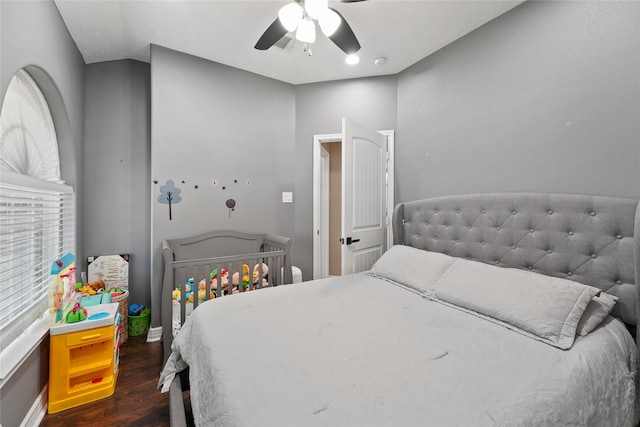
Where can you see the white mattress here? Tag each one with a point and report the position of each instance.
(358, 350)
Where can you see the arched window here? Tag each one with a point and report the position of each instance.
(37, 211)
(28, 136)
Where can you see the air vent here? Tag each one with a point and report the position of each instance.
(286, 43)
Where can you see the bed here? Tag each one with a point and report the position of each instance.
(216, 263)
(490, 309)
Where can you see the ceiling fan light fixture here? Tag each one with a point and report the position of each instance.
(315, 8)
(306, 31)
(352, 59)
(329, 22)
(290, 16)
(300, 16)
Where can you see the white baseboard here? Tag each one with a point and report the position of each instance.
(154, 334)
(38, 410)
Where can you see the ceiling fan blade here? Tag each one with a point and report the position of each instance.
(344, 37)
(271, 35)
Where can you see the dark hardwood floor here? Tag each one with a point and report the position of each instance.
(136, 402)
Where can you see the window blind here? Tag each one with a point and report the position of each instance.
(37, 227)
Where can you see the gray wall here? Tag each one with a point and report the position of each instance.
(33, 36)
(320, 108)
(211, 122)
(544, 98)
(117, 165)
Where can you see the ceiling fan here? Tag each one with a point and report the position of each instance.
(299, 16)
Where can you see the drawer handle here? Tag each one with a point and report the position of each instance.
(90, 337)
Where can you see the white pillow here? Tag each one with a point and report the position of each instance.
(597, 310)
(415, 268)
(543, 307)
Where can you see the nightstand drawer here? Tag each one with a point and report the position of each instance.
(89, 336)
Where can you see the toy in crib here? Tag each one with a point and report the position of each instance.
(235, 278)
(256, 275)
(202, 291)
(224, 280)
(176, 294)
(188, 288)
(235, 287)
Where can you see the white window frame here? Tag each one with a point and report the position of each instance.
(37, 220)
(37, 227)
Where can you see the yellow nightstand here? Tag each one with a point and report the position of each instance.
(84, 358)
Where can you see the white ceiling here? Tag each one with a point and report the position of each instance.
(225, 32)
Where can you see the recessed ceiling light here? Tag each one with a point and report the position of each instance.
(352, 59)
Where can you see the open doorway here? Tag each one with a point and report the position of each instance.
(331, 214)
(331, 243)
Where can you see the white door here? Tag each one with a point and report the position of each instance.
(364, 157)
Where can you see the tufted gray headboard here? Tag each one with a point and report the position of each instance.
(591, 239)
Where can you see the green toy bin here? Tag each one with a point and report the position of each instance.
(139, 325)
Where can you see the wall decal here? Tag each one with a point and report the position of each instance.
(169, 194)
(215, 182)
(231, 204)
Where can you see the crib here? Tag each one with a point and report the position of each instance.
(214, 264)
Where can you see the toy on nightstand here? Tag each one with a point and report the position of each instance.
(62, 291)
(115, 292)
(57, 306)
(94, 293)
(93, 288)
(77, 314)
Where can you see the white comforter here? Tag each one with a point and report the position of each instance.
(362, 351)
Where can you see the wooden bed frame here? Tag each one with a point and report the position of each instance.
(590, 239)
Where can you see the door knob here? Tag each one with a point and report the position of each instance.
(349, 241)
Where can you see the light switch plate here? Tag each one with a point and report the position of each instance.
(287, 197)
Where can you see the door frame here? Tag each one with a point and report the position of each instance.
(323, 219)
(319, 203)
